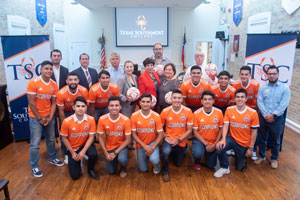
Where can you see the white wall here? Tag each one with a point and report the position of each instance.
(201, 24)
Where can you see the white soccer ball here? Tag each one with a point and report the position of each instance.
(154, 101)
(133, 94)
(159, 69)
(168, 97)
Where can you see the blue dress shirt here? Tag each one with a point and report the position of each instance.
(115, 74)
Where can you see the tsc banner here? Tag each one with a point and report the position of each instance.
(22, 58)
(264, 50)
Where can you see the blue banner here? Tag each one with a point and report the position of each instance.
(41, 11)
(22, 58)
(237, 11)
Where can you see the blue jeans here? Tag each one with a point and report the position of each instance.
(36, 130)
(240, 154)
(142, 158)
(198, 151)
(122, 158)
(275, 130)
(99, 112)
(177, 155)
(64, 148)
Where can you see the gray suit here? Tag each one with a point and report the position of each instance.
(124, 84)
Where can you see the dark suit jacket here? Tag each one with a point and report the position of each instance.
(63, 73)
(82, 78)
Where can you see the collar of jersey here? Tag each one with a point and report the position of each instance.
(45, 81)
(77, 120)
(241, 112)
(178, 111)
(144, 115)
(113, 120)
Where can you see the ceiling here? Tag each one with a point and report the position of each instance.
(98, 4)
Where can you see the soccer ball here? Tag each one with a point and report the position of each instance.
(168, 97)
(133, 94)
(154, 101)
(159, 69)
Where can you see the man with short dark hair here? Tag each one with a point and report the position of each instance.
(59, 72)
(207, 129)
(78, 132)
(243, 123)
(117, 130)
(272, 100)
(41, 93)
(147, 131)
(158, 56)
(87, 76)
(178, 121)
(193, 88)
(100, 93)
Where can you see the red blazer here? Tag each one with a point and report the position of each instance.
(146, 84)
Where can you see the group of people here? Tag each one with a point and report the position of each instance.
(216, 115)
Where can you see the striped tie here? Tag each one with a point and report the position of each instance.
(88, 78)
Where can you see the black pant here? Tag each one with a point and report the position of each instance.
(74, 166)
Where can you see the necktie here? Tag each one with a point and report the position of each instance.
(88, 78)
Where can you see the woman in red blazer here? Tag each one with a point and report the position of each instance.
(149, 82)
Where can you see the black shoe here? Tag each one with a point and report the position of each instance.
(94, 175)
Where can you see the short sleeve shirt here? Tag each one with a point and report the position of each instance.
(100, 97)
(223, 98)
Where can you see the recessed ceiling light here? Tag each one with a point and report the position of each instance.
(74, 2)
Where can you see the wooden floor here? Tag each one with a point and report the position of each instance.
(257, 182)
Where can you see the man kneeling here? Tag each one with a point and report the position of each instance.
(78, 132)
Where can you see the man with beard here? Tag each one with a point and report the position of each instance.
(272, 100)
(159, 55)
(65, 99)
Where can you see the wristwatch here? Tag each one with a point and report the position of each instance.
(179, 140)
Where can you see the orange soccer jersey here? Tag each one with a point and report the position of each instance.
(146, 127)
(240, 124)
(65, 97)
(78, 131)
(44, 92)
(193, 93)
(223, 98)
(115, 130)
(100, 97)
(208, 125)
(252, 91)
(176, 122)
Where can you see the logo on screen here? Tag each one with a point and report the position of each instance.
(141, 21)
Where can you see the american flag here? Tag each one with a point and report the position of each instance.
(103, 59)
(182, 52)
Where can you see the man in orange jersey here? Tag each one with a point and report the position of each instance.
(243, 122)
(65, 99)
(100, 93)
(117, 130)
(78, 132)
(193, 88)
(224, 92)
(178, 121)
(41, 93)
(145, 125)
(207, 128)
(249, 84)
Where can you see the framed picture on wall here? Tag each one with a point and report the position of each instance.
(236, 42)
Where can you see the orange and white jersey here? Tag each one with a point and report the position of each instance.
(192, 92)
(223, 98)
(146, 127)
(100, 97)
(114, 130)
(65, 97)
(176, 122)
(44, 92)
(78, 131)
(252, 91)
(208, 125)
(240, 123)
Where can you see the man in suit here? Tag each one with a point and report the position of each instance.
(59, 72)
(87, 76)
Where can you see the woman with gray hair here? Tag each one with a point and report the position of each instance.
(126, 81)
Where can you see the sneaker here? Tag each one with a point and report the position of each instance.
(274, 164)
(254, 156)
(166, 177)
(221, 172)
(56, 162)
(197, 166)
(36, 172)
(259, 160)
(123, 174)
(156, 169)
(66, 159)
(230, 152)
